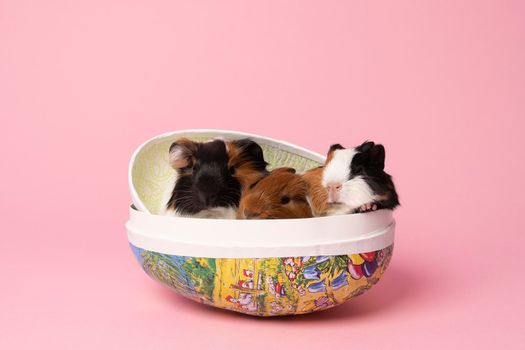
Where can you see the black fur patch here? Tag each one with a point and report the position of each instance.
(208, 184)
(370, 156)
(369, 164)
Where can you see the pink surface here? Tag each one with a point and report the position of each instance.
(442, 85)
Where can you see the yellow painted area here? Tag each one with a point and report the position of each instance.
(356, 259)
(262, 298)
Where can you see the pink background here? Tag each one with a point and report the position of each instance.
(441, 84)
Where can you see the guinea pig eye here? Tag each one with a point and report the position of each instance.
(285, 200)
(232, 170)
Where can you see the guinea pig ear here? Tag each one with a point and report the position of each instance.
(247, 151)
(251, 148)
(377, 157)
(331, 151)
(372, 155)
(335, 147)
(365, 146)
(182, 153)
(283, 170)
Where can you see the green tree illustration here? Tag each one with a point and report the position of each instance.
(202, 276)
(161, 268)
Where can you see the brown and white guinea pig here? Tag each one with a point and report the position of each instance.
(351, 180)
(210, 176)
(279, 195)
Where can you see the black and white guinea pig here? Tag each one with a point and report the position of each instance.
(355, 180)
(209, 177)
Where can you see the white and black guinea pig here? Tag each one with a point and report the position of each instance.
(352, 180)
(210, 177)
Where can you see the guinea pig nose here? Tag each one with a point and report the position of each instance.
(334, 189)
(335, 186)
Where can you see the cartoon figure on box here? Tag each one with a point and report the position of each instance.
(275, 289)
(247, 283)
(292, 267)
(245, 301)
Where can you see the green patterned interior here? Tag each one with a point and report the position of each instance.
(151, 171)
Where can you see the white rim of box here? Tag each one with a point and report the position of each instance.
(215, 238)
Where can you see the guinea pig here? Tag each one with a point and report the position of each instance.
(351, 180)
(279, 195)
(209, 177)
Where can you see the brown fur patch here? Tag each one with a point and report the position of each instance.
(245, 172)
(279, 195)
(329, 156)
(317, 194)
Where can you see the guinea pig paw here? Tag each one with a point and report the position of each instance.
(367, 208)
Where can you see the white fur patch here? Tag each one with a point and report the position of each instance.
(177, 153)
(338, 170)
(356, 193)
(339, 209)
(217, 213)
(212, 213)
(176, 157)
